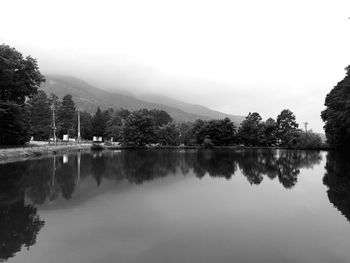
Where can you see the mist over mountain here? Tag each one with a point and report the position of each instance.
(190, 108)
(88, 97)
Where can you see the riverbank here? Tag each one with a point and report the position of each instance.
(234, 147)
(44, 150)
(35, 151)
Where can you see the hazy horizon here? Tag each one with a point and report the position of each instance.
(234, 57)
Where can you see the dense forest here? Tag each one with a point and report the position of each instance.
(26, 111)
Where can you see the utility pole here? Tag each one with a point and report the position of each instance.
(305, 123)
(79, 137)
(53, 126)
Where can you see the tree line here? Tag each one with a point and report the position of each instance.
(26, 111)
(143, 127)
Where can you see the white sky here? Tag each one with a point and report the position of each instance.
(233, 56)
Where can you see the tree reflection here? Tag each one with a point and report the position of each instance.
(47, 179)
(283, 164)
(337, 179)
(141, 166)
(215, 163)
(98, 167)
(50, 178)
(19, 223)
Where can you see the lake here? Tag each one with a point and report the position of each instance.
(176, 206)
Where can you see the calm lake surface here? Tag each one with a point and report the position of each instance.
(176, 206)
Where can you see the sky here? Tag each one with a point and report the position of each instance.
(233, 56)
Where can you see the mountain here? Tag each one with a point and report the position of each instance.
(88, 97)
(190, 108)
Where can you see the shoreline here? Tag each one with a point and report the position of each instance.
(234, 147)
(9, 155)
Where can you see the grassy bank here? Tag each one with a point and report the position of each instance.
(32, 151)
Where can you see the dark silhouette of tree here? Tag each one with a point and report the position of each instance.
(250, 130)
(187, 136)
(65, 116)
(140, 128)
(287, 128)
(199, 131)
(114, 127)
(337, 114)
(115, 124)
(268, 132)
(168, 134)
(86, 127)
(98, 123)
(19, 79)
(40, 116)
(15, 126)
(221, 132)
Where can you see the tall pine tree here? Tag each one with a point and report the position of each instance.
(40, 116)
(65, 116)
(98, 123)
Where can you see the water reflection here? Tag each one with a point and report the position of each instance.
(19, 222)
(337, 179)
(50, 178)
(38, 181)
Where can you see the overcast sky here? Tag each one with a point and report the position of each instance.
(232, 56)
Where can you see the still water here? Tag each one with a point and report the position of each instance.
(176, 206)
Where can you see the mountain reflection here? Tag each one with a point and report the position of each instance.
(337, 179)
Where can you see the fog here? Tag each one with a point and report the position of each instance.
(232, 56)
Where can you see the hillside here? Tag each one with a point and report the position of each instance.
(88, 97)
(190, 108)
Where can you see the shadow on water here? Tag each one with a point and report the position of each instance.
(39, 181)
(337, 179)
